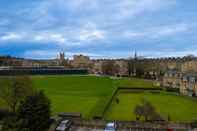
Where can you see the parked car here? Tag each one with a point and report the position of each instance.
(111, 126)
(64, 125)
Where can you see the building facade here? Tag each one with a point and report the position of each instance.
(81, 61)
(186, 83)
(172, 79)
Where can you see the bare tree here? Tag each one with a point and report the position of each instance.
(146, 110)
(109, 67)
(15, 89)
(138, 111)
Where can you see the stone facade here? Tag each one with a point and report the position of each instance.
(97, 67)
(81, 61)
(172, 79)
(188, 85)
(189, 66)
(122, 67)
(185, 82)
(153, 68)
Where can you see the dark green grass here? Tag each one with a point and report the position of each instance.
(179, 108)
(134, 83)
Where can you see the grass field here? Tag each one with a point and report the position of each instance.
(178, 107)
(134, 82)
(89, 95)
(85, 94)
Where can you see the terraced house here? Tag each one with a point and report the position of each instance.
(185, 82)
(188, 85)
(172, 78)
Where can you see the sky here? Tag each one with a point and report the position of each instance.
(39, 29)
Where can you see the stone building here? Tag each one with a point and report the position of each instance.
(122, 67)
(185, 82)
(97, 67)
(188, 85)
(61, 58)
(189, 66)
(172, 79)
(81, 61)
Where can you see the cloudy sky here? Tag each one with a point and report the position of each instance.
(98, 28)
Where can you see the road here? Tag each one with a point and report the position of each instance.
(94, 129)
(84, 129)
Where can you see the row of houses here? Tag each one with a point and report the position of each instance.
(186, 83)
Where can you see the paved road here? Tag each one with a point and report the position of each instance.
(91, 129)
(84, 129)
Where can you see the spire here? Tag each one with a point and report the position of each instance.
(135, 55)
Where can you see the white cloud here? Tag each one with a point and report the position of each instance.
(50, 37)
(152, 54)
(90, 32)
(170, 30)
(52, 54)
(49, 12)
(88, 35)
(91, 19)
(158, 32)
(11, 36)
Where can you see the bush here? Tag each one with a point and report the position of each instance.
(170, 89)
(147, 111)
(194, 124)
(35, 112)
(11, 123)
(5, 113)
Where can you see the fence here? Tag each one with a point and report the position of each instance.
(133, 125)
(41, 71)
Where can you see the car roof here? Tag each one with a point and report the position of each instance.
(65, 121)
(111, 124)
(62, 125)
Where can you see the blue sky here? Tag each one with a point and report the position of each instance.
(98, 28)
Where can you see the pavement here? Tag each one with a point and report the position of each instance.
(95, 129)
(84, 129)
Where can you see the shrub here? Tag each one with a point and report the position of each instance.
(5, 113)
(35, 112)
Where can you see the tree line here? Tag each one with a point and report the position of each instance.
(28, 109)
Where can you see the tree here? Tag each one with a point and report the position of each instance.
(139, 69)
(169, 118)
(117, 100)
(34, 112)
(146, 110)
(11, 123)
(108, 67)
(15, 89)
(130, 66)
(138, 111)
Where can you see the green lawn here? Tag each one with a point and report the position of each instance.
(89, 95)
(85, 94)
(178, 107)
(134, 82)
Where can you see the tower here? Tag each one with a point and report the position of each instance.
(61, 58)
(135, 64)
(135, 55)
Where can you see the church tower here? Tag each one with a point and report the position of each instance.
(135, 64)
(61, 58)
